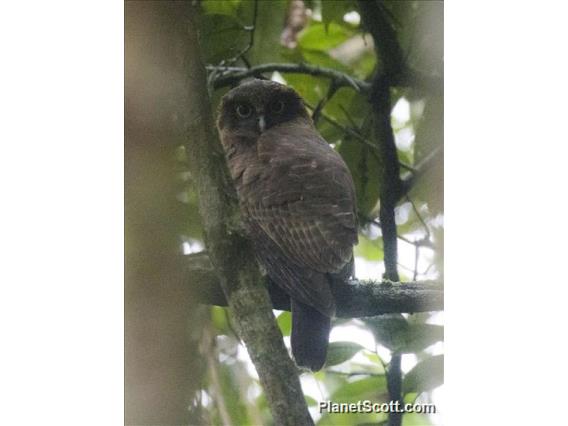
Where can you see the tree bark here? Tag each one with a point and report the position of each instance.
(391, 65)
(355, 299)
(162, 365)
(230, 253)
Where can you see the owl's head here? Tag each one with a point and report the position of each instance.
(258, 105)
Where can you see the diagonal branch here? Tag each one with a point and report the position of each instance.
(237, 272)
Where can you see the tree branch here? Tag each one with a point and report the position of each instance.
(394, 386)
(391, 65)
(354, 299)
(232, 255)
(227, 76)
(391, 59)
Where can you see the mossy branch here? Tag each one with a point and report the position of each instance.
(236, 271)
(357, 298)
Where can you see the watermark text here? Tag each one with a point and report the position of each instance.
(367, 406)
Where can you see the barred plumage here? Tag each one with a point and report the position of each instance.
(297, 200)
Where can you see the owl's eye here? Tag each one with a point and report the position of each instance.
(277, 107)
(244, 110)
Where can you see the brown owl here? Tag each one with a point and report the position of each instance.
(298, 204)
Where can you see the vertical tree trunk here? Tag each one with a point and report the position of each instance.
(231, 254)
(161, 363)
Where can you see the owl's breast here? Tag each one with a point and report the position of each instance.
(247, 174)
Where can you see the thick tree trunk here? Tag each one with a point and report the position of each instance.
(231, 254)
(161, 363)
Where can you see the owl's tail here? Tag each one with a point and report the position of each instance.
(310, 336)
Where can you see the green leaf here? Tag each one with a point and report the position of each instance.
(222, 37)
(347, 105)
(220, 7)
(410, 398)
(429, 186)
(351, 110)
(389, 330)
(322, 59)
(365, 65)
(330, 133)
(372, 388)
(236, 406)
(426, 375)
(312, 89)
(336, 419)
(406, 156)
(219, 319)
(315, 37)
(373, 357)
(285, 323)
(364, 167)
(416, 419)
(333, 10)
(369, 249)
(267, 47)
(310, 401)
(332, 382)
(395, 333)
(339, 352)
(419, 336)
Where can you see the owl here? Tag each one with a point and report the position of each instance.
(298, 204)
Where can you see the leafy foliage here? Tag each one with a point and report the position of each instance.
(285, 323)
(339, 352)
(394, 332)
(426, 375)
(373, 388)
(345, 121)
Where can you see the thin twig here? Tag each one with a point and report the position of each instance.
(407, 167)
(321, 104)
(422, 242)
(227, 75)
(211, 78)
(419, 216)
(354, 125)
(416, 256)
(251, 29)
(348, 116)
(348, 131)
(428, 268)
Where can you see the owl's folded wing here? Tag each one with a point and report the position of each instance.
(305, 202)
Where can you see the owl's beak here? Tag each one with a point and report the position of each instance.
(261, 123)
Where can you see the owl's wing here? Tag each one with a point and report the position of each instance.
(301, 283)
(304, 204)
